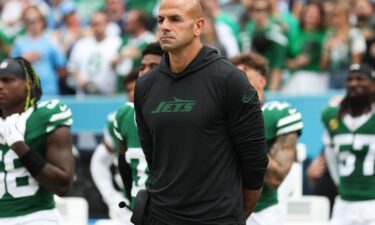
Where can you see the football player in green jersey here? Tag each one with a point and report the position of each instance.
(105, 155)
(126, 131)
(283, 125)
(36, 159)
(106, 152)
(349, 140)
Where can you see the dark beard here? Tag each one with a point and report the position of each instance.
(359, 105)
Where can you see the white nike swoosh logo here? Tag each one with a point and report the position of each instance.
(63, 107)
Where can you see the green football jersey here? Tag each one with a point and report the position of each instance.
(126, 132)
(279, 118)
(353, 143)
(20, 194)
(109, 133)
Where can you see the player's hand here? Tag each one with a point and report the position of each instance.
(15, 127)
(316, 168)
(117, 213)
(32, 56)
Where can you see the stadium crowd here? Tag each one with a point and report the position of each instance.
(87, 47)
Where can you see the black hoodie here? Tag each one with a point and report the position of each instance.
(203, 136)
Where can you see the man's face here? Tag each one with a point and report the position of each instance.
(34, 23)
(359, 85)
(254, 77)
(176, 25)
(259, 11)
(8, 96)
(132, 24)
(114, 5)
(312, 17)
(99, 24)
(129, 89)
(148, 62)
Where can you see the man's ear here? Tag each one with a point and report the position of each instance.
(198, 26)
(263, 82)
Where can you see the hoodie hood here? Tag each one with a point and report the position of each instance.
(205, 57)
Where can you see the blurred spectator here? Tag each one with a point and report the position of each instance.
(115, 10)
(225, 25)
(55, 14)
(11, 17)
(281, 15)
(86, 8)
(328, 6)
(296, 6)
(130, 51)
(266, 38)
(246, 3)
(365, 20)
(235, 9)
(90, 60)
(305, 54)
(5, 44)
(209, 37)
(70, 30)
(244, 18)
(13, 10)
(36, 46)
(146, 6)
(343, 46)
(363, 11)
(66, 36)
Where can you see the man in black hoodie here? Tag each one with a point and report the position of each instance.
(201, 128)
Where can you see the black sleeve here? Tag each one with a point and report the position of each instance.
(246, 128)
(143, 130)
(125, 173)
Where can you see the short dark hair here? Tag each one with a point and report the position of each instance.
(153, 48)
(132, 76)
(252, 60)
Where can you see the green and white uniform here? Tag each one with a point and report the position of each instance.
(126, 132)
(20, 194)
(109, 133)
(279, 118)
(352, 140)
(350, 153)
(104, 179)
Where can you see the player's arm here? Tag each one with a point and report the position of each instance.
(55, 172)
(246, 129)
(316, 170)
(281, 156)
(124, 170)
(250, 198)
(330, 157)
(100, 164)
(123, 166)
